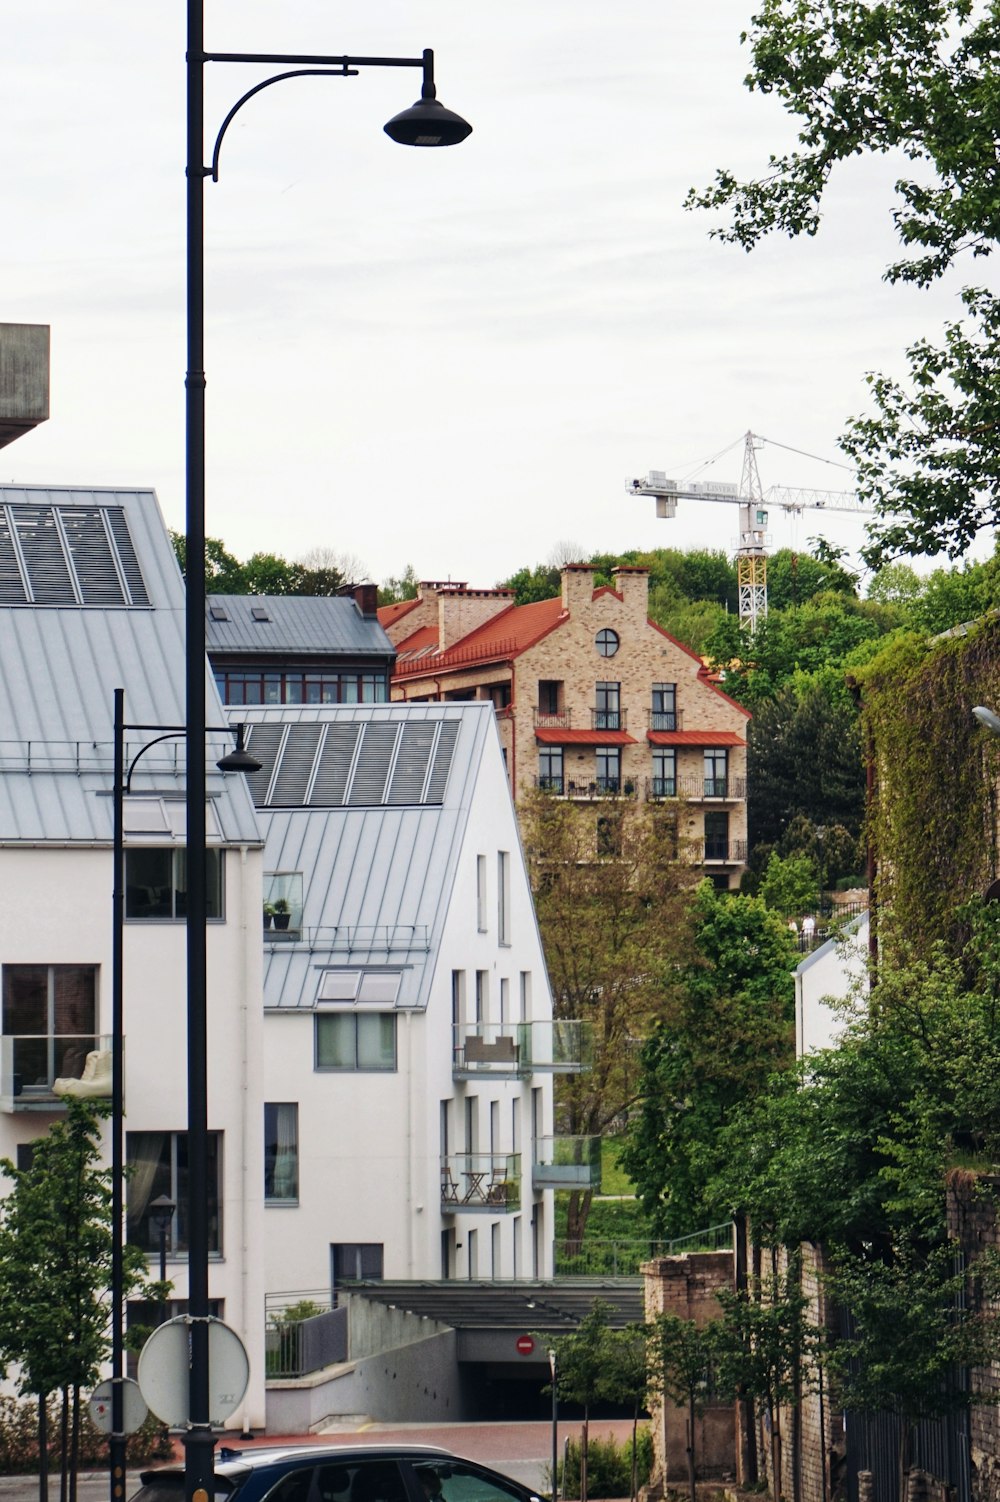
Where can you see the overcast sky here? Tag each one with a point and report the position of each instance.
(451, 359)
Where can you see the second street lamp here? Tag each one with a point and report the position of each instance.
(161, 1212)
(426, 123)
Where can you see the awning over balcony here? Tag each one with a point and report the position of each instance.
(553, 735)
(694, 738)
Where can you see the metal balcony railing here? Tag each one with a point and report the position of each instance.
(481, 1183)
(553, 719)
(661, 787)
(567, 1163)
(32, 1063)
(550, 784)
(725, 852)
(487, 1048)
(663, 719)
(608, 719)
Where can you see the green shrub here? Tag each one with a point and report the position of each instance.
(609, 1466)
(19, 1439)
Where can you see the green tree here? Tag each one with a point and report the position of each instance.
(223, 573)
(794, 577)
(614, 928)
(626, 1381)
(728, 1028)
(582, 1367)
(55, 1269)
(680, 1354)
(403, 587)
(915, 78)
(790, 886)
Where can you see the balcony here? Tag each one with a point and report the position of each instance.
(725, 852)
(550, 784)
(481, 1183)
(664, 719)
(31, 1063)
(567, 1163)
(486, 1048)
(552, 719)
(698, 789)
(661, 787)
(602, 787)
(555, 1047)
(608, 719)
(512, 1049)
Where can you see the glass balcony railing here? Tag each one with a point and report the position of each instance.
(512, 1049)
(39, 1070)
(481, 1183)
(567, 1163)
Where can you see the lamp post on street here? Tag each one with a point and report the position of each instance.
(425, 123)
(162, 1211)
(238, 760)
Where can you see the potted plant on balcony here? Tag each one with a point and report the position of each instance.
(268, 914)
(282, 912)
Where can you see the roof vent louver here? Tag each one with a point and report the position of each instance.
(68, 555)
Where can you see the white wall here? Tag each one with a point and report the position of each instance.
(63, 915)
(823, 979)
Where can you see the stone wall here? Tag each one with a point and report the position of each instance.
(972, 1221)
(688, 1287)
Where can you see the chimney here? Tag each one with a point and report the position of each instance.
(633, 586)
(366, 599)
(462, 610)
(577, 585)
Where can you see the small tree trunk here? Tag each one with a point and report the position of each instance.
(776, 1450)
(43, 1448)
(64, 1447)
(74, 1454)
(584, 1445)
(690, 1450)
(577, 1212)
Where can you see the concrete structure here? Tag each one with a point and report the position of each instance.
(24, 379)
(593, 699)
(90, 600)
(824, 981)
(409, 1045)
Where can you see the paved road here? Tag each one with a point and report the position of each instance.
(519, 1450)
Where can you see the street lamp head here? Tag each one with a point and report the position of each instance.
(239, 760)
(162, 1211)
(428, 123)
(988, 718)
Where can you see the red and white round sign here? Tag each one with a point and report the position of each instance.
(525, 1345)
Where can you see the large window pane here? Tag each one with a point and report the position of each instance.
(377, 1041)
(356, 1040)
(158, 1165)
(335, 1042)
(281, 1151)
(156, 883)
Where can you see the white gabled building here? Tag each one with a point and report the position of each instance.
(409, 1047)
(91, 600)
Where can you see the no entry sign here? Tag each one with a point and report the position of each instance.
(525, 1345)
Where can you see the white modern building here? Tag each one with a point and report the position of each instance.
(409, 1048)
(824, 982)
(91, 600)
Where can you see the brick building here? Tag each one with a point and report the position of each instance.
(593, 699)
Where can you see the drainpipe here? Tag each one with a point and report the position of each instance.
(245, 933)
(513, 728)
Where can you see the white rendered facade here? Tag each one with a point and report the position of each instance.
(397, 1160)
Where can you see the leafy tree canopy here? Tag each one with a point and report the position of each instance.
(916, 79)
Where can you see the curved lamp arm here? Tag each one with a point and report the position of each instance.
(342, 72)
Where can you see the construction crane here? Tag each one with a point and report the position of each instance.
(751, 552)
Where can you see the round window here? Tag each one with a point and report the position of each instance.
(607, 642)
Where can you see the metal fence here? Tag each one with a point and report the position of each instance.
(623, 1259)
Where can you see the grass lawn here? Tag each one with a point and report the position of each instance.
(614, 1180)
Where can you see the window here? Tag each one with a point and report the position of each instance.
(156, 883)
(550, 768)
(481, 893)
(716, 837)
(157, 1165)
(352, 1260)
(281, 1153)
(283, 902)
(448, 1480)
(548, 696)
(482, 995)
(663, 715)
(376, 986)
(503, 896)
(457, 997)
(356, 1041)
(607, 642)
(664, 772)
(607, 709)
(50, 1013)
(609, 768)
(257, 686)
(715, 772)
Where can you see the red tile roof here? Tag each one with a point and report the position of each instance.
(417, 641)
(504, 635)
(387, 614)
(551, 735)
(694, 738)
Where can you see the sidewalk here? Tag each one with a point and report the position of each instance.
(520, 1450)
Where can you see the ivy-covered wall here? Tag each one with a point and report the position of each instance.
(933, 815)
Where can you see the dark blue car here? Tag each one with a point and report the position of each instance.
(341, 1473)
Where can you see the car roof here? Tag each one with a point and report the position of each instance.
(231, 1461)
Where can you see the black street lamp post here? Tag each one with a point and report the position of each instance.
(426, 123)
(236, 761)
(162, 1211)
